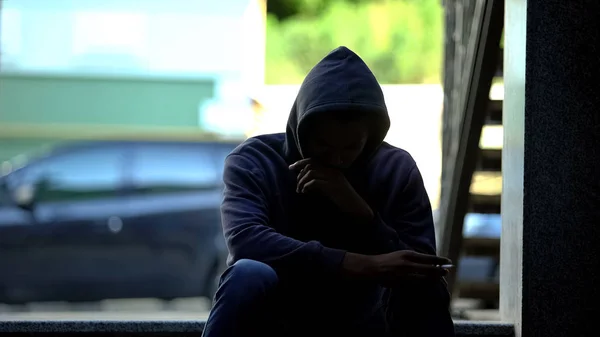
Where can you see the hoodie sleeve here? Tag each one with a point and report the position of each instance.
(245, 219)
(406, 223)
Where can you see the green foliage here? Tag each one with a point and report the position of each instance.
(401, 40)
(284, 9)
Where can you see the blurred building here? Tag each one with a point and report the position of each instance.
(71, 68)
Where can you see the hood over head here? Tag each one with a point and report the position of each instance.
(340, 82)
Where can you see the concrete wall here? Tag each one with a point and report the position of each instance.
(550, 205)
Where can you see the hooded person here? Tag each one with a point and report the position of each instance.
(328, 220)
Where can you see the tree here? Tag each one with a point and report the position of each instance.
(401, 40)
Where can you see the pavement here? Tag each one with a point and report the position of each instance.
(117, 310)
(154, 309)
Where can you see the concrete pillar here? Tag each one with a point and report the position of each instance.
(550, 259)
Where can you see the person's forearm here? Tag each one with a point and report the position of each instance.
(359, 265)
(358, 207)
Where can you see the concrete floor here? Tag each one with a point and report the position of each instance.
(153, 309)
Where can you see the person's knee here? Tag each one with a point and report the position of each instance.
(241, 299)
(251, 275)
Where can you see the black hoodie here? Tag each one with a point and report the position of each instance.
(263, 217)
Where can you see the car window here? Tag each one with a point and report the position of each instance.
(173, 168)
(87, 173)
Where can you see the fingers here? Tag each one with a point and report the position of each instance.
(300, 163)
(426, 258)
(303, 171)
(410, 272)
(311, 171)
(299, 182)
(316, 184)
(307, 174)
(311, 178)
(425, 270)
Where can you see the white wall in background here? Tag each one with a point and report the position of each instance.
(416, 116)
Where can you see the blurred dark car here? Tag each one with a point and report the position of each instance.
(126, 219)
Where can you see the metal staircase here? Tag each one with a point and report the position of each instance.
(473, 59)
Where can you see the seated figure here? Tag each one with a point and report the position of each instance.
(329, 228)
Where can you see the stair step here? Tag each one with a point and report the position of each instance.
(483, 315)
(500, 65)
(481, 246)
(487, 291)
(494, 113)
(489, 160)
(189, 328)
(484, 204)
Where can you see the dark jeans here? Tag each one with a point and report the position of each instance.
(248, 303)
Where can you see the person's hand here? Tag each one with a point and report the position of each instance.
(401, 264)
(391, 268)
(313, 177)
